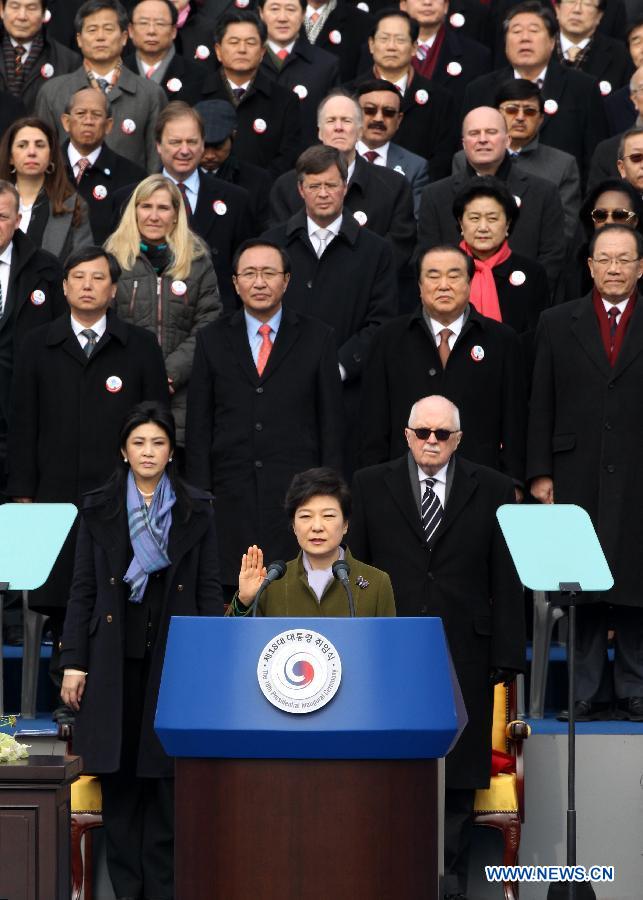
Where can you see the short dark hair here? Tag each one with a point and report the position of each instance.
(317, 159)
(394, 11)
(240, 17)
(632, 25)
(171, 8)
(177, 109)
(376, 84)
(518, 89)
(607, 228)
(94, 6)
(608, 184)
(546, 13)
(70, 103)
(261, 242)
(446, 248)
(487, 186)
(89, 253)
(314, 483)
(302, 3)
(637, 131)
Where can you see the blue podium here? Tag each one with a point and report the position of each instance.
(306, 755)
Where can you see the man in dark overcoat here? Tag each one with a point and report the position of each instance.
(70, 394)
(478, 365)
(584, 447)
(253, 424)
(429, 520)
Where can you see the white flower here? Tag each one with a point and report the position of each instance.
(11, 750)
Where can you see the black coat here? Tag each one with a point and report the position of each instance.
(579, 122)
(60, 58)
(308, 67)
(403, 365)
(473, 58)
(351, 288)
(183, 79)
(621, 112)
(95, 624)
(539, 230)
(276, 146)
(248, 435)
(32, 270)
(604, 162)
(429, 126)
(197, 35)
(255, 181)
(467, 578)
(586, 432)
(344, 34)
(10, 109)
(110, 172)
(382, 195)
(522, 304)
(64, 422)
(60, 25)
(473, 20)
(608, 61)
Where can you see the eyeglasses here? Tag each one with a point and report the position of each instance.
(622, 216)
(441, 434)
(253, 274)
(317, 186)
(636, 158)
(388, 112)
(620, 261)
(512, 109)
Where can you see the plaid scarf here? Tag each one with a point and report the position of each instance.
(149, 530)
(313, 29)
(15, 82)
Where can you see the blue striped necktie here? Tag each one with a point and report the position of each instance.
(431, 510)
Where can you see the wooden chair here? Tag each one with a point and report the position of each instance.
(86, 814)
(502, 804)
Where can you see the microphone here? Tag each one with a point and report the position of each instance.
(276, 570)
(341, 571)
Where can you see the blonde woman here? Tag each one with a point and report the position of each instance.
(168, 284)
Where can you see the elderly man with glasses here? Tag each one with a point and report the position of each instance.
(584, 447)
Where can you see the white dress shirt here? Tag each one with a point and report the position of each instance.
(75, 156)
(276, 47)
(565, 44)
(619, 306)
(26, 45)
(192, 184)
(539, 79)
(5, 269)
(313, 228)
(440, 486)
(98, 327)
(381, 158)
(455, 328)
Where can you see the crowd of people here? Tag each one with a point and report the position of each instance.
(270, 246)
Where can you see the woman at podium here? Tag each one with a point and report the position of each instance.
(318, 504)
(146, 551)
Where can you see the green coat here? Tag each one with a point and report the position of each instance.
(292, 596)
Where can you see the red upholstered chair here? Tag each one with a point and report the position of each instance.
(86, 814)
(501, 805)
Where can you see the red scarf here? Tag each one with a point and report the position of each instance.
(426, 66)
(604, 325)
(484, 295)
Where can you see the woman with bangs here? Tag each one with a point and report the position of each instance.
(168, 284)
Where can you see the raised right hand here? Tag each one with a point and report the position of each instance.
(251, 575)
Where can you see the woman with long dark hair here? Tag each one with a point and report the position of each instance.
(146, 551)
(53, 215)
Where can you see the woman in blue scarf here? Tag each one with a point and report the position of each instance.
(146, 551)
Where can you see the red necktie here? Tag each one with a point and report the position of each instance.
(264, 350)
(83, 165)
(283, 54)
(371, 155)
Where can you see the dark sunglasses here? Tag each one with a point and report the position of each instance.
(441, 434)
(636, 158)
(622, 216)
(530, 112)
(388, 112)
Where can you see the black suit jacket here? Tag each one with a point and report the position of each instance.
(357, 267)
(473, 58)
(10, 109)
(403, 365)
(621, 112)
(308, 67)
(578, 123)
(111, 172)
(187, 73)
(60, 58)
(249, 434)
(382, 195)
(276, 146)
(607, 60)
(197, 34)
(255, 181)
(604, 162)
(536, 234)
(349, 28)
(466, 578)
(429, 125)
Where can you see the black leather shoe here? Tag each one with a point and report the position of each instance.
(584, 711)
(635, 709)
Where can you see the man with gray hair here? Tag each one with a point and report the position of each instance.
(377, 197)
(428, 518)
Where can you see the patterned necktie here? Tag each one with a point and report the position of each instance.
(612, 314)
(151, 71)
(371, 155)
(20, 51)
(265, 349)
(443, 348)
(91, 336)
(83, 164)
(422, 51)
(283, 54)
(323, 236)
(431, 510)
(238, 93)
(103, 84)
(184, 193)
(573, 53)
